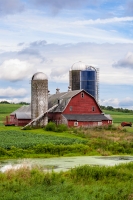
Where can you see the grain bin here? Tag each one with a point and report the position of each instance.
(89, 81)
(84, 77)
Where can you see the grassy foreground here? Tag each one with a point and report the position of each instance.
(81, 183)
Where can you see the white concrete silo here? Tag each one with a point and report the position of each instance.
(39, 97)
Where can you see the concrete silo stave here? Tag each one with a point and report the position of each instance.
(39, 96)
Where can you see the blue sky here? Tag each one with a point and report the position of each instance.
(50, 35)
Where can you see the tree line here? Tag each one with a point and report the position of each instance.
(22, 102)
(124, 110)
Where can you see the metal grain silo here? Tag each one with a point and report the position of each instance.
(39, 97)
(74, 75)
(89, 81)
(84, 77)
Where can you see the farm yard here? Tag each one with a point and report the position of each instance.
(82, 141)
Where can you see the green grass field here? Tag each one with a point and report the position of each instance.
(119, 117)
(6, 109)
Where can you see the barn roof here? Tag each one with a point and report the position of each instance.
(62, 99)
(59, 99)
(24, 112)
(86, 117)
(25, 108)
(23, 115)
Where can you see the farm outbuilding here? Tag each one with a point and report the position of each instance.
(21, 116)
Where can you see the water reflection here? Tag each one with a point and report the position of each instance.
(63, 163)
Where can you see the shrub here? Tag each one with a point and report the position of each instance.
(51, 126)
(61, 128)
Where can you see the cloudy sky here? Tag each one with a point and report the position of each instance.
(50, 35)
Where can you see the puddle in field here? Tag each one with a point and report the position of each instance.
(63, 163)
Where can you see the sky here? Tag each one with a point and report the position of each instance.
(51, 35)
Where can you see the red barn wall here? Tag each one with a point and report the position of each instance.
(12, 120)
(21, 122)
(18, 122)
(71, 123)
(56, 117)
(82, 105)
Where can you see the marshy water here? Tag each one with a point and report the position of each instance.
(63, 163)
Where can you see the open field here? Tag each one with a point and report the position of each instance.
(111, 140)
(6, 109)
(119, 117)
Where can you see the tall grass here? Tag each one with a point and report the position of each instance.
(80, 183)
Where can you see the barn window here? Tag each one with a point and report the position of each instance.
(70, 108)
(93, 108)
(75, 123)
(82, 94)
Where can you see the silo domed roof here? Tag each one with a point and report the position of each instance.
(78, 66)
(39, 76)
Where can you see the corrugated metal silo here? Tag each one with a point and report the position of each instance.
(84, 77)
(39, 96)
(89, 81)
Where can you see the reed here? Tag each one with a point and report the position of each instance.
(83, 182)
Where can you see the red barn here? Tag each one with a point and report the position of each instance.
(76, 108)
(20, 117)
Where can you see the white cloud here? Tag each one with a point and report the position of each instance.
(10, 92)
(126, 62)
(103, 21)
(15, 69)
(109, 102)
(56, 60)
(118, 103)
(16, 100)
(127, 102)
(62, 29)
